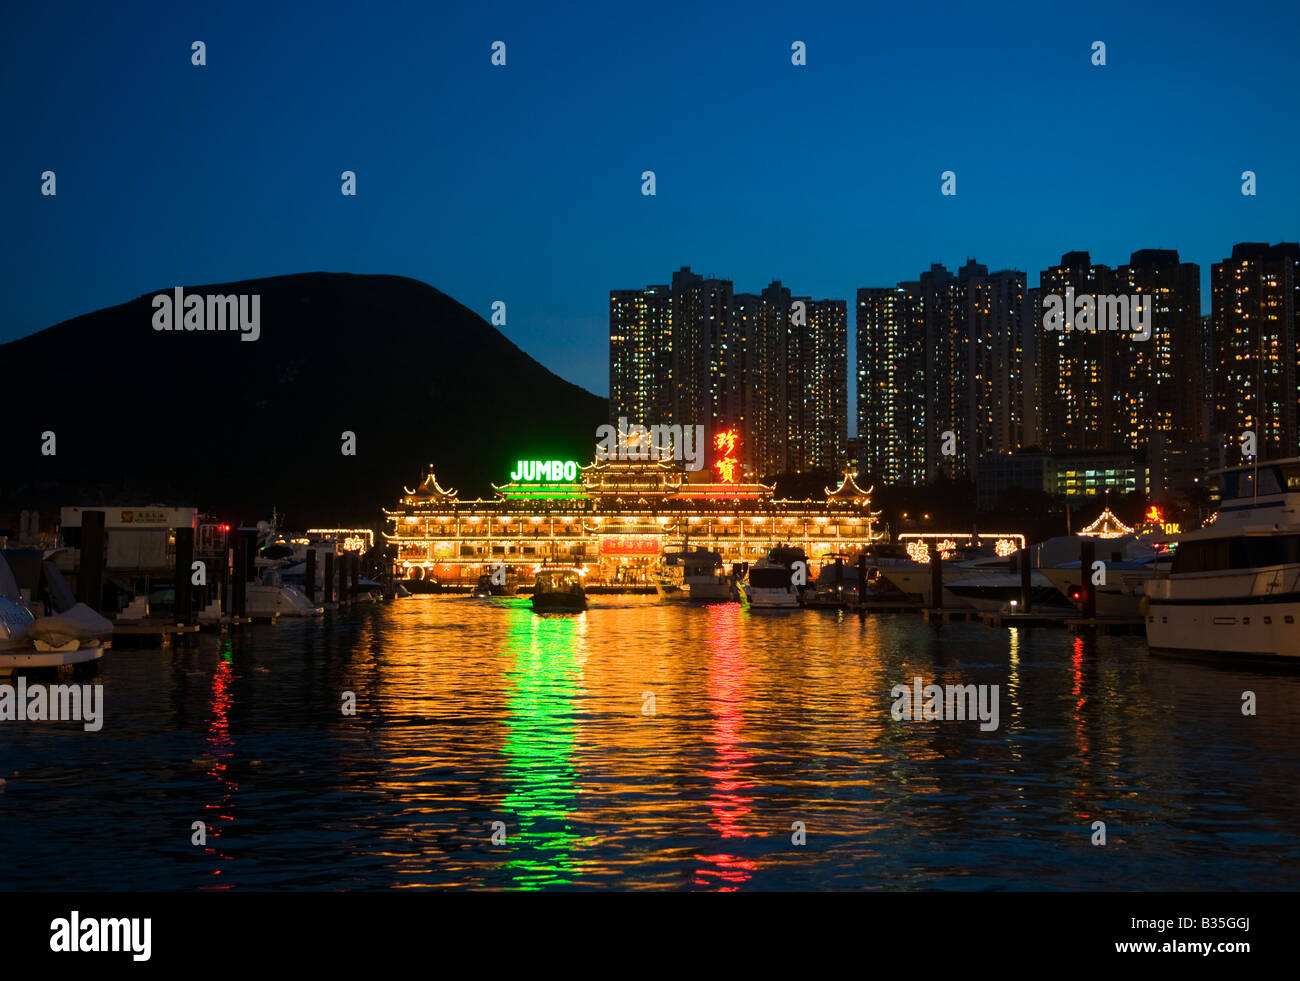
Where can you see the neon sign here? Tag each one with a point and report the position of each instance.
(725, 443)
(545, 470)
(629, 546)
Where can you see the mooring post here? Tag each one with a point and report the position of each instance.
(329, 578)
(1087, 555)
(184, 561)
(311, 575)
(936, 577)
(90, 580)
(1026, 590)
(237, 580)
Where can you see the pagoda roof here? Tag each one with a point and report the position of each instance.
(1106, 526)
(430, 488)
(848, 489)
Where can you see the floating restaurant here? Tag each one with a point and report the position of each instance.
(616, 519)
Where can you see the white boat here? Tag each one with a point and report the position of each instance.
(993, 592)
(771, 580)
(272, 598)
(41, 623)
(702, 575)
(987, 583)
(1235, 584)
(1124, 589)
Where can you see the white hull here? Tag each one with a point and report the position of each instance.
(1248, 611)
(709, 591)
(11, 661)
(1120, 597)
(915, 581)
(1260, 629)
(286, 601)
(763, 598)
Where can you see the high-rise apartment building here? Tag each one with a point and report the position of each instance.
(755, 361)
(1255, 301)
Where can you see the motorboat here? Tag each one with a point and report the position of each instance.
(1124, 588)
(41, 623)
(559, 589)
(1234, 587)
(703, 576)
(991, 583)
(773, 579)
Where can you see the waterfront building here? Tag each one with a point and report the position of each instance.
(617, 519)
(1071, 475)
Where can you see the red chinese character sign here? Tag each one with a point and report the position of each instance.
(726, 463)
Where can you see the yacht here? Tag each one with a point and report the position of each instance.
(702, 575)
(1125, 586)
(41, 623)
(558, 589)
(771, 579)
(1234, 587)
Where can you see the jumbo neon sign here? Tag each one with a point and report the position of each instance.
(545, 470)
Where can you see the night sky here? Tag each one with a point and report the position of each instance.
(523, 183)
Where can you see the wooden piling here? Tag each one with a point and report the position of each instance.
(936, 577)
(311, 574)
(184, 572)
(90, 576)
(1088, 555)
(329, 578)
(1026, 587)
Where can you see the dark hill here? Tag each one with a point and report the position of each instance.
(204, 418)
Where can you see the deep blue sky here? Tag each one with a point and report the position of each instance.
(523, 183)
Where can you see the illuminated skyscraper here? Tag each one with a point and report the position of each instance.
(891, 383)
(943, 354)
(640, 355)
(1255, 300)
(720, 359)
(1157, 384)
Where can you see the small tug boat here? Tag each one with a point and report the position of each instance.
(559, 589)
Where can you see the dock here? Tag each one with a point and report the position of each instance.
(948, 615)
(1046, 619)
(1106, 625)
(163, 630)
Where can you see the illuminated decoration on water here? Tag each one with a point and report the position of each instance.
(725, 443)
(1106, 526)
(1005, 547)
(349, 539)
(948, 543)
(618, 520)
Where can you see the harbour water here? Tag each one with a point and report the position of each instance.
(644, 745)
